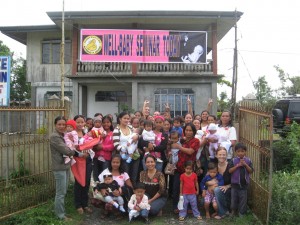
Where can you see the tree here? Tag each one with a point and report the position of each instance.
(19, 88)
(285, 78)
(264, 93)
(223, 102)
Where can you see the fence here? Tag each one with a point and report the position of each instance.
(256, 131)
(25, 176)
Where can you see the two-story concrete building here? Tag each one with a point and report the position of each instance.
(106, 86)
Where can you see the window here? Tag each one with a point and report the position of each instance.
(177, 99)
(48, 94)
(110, 96)
(51, 52)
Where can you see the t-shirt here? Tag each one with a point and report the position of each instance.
(188, 183)
(121, 179)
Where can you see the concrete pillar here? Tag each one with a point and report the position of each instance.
(75, 101)
(75, 43)
(214, 41)
(134, 95)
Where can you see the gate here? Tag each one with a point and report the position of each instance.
(25, 161)
(256, 131)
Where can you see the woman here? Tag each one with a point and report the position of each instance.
(161, 141)
(104, 149)
(187, 152)
(203, 121)
(227, 133)
(81, 193)
(61, 171)
(188, 118)
(154, 181)
(222, 193)
(121, 135)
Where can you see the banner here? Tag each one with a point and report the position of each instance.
(143, 46)
(4, 80)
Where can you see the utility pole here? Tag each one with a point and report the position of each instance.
(234, 76)
(62, 57)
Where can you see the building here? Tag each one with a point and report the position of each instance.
(107, 87)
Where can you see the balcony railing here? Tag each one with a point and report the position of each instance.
(96, 68)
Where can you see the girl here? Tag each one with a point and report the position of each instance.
(189, 189)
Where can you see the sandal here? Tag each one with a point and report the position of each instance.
(88, 210)
(176, 211)
(80, 211)
(181, 218)
(199, 217)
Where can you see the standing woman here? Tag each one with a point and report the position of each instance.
(155, 184)
(81, 193)
(61, 171)
(187, 152)
(104, 149)
(227, 133)
(203, 120)
(121, 135)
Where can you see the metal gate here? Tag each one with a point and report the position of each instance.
(25, 176)
(256, 131)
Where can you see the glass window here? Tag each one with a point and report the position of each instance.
(111, 96)
(176, 98)
(51, 52)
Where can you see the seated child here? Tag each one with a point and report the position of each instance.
(208, 190)
(110, 186)
(240, 168)
(189, 189)
(138, 204)
(71, 139)
(213, 146)
(149, 135)
(174, 138)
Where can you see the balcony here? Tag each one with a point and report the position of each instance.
(102, 68)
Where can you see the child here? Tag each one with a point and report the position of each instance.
(214, 140)
(189, 189)
(138, 203)
(71, 139)
(131, 146)
(149, 135)
(240, 168)
(97, 131)
(208, 191)
(177, 125)
(110, 186)
(174, 138)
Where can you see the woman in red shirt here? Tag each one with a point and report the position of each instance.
(187, 152)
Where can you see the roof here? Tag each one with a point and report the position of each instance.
(148, 20)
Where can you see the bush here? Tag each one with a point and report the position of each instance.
(287, 151)
(285, 205)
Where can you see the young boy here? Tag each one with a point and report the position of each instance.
(110, 185)
(240, 168)
(208, 190)
(189, 189)
(138, 204)
(177, 125)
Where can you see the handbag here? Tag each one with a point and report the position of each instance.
(170, 169)
(197, 167)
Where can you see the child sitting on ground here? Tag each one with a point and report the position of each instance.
(240, 168)
(149, 135)
(110, 186)
(189, 189)
(208, 190)
(71, 139)
(138, 204)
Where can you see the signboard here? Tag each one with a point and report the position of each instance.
(4, 80)
(143, 46)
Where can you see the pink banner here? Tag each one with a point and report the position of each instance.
(132, 46)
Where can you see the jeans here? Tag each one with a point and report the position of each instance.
(223, 200)
(81, 194)
(143, 213)
(239, 199)
(98, 167)
(132, 169)
(157, 205)
(61, 186)
(176, 189)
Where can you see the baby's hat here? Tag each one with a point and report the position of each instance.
(108, 174)
(200, 133)
(71, 123)
(97, 119)
(212, 126)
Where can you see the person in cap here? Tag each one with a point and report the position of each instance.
(71, 139)
(214, 140)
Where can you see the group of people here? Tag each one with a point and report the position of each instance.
(146, 158)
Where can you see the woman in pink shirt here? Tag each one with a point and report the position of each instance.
(104, 149)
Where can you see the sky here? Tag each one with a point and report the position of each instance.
(268, 32)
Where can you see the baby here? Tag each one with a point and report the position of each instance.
(131, 146)
(110, 185)
(97, 131)
(138, 203)
(194, 57)
(213, 146)
(71, 139)
(174, 138)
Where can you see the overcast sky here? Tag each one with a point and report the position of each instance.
(268, 32)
